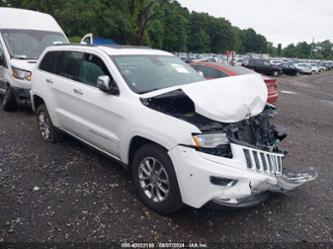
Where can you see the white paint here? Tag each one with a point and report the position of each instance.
(109, 123)
(12, 18)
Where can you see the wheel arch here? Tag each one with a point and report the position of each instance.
(36, 101)
(135, 144)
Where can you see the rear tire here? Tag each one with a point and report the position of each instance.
(9, 101)
(155, 179)
(48, 131)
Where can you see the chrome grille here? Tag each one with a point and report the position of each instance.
(263, 161)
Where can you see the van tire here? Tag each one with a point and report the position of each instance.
(169, 203)
(9, 101)
(48, 132)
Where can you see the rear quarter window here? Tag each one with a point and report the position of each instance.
(48, 63)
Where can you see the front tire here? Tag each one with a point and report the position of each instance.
(48, 132)
(155, 179)
(9, 101)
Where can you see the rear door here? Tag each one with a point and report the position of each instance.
(63, 85)
(84, 110)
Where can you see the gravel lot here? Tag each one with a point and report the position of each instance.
(69, 192)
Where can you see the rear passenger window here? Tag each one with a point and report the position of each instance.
(92, 67)
(68, 64)
(49, 62)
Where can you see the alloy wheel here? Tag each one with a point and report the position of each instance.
(44, 125)
(154, 179)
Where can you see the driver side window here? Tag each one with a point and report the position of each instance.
(2, 57)
(91, 68)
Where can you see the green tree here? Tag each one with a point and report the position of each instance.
(303, 50)
(143, 13)
(198, 37)
(221, 35)
(326, 49)
(279, 49)
(290, 51)
(175, 23)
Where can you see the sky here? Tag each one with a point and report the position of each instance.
(280, 21)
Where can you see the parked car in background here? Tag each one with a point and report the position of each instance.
(290, 69)
(328, 65)
(304, 68)
(263, 66)
(221, 70)
(185, 140)
(320, 67)
(315, 67)
(276, 62)
(208, 59)
(24, 35)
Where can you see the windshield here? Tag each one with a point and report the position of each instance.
(146, 73)
(29, 44)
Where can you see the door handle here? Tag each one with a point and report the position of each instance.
(49, 81)
(78, 91)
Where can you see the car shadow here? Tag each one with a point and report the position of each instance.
(23, 109)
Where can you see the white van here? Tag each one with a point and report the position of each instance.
(24, 35)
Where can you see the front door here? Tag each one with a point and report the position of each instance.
(3, 68)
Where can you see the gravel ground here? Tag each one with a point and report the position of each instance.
(69, 192)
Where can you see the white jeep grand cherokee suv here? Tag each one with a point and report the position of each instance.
(186, 140)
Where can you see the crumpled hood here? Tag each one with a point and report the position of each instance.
(226, 100)
(27, 65)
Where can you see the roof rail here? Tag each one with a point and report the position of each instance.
(104, 45)
(121, 46)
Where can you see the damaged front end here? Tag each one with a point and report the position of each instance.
(252, 140)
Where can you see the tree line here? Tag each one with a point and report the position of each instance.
(162, 24)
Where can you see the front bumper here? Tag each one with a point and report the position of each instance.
(195, 169)
(22, 96)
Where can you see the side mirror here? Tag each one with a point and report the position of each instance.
(104, 84)
(201, 74)
(1, 60)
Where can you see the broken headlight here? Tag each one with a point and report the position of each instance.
(210, 140)
(214, 144)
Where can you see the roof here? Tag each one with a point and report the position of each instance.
(12, 18)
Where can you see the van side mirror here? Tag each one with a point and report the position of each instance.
(1, 60)
(105, 84)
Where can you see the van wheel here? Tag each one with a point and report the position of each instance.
(48, 132)
(275, 73)
(9, 101)
(313, 72)
(155, 179)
